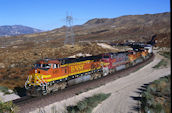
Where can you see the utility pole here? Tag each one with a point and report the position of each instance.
(69, 39)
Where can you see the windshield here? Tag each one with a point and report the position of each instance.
(105, 56)
(47, 66)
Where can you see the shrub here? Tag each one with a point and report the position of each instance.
(158, 108)
(87, 104)
(4, 90)
(82, 105)
(156, 98)
(7, 107)
(166, 54)
(162, 63)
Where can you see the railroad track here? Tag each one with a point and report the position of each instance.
(27, 104)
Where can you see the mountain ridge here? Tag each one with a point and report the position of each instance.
(14, 30)
(127, 27)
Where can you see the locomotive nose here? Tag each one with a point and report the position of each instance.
(33, 78)
(32, 75)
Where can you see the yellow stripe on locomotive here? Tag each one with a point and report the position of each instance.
(38, 76)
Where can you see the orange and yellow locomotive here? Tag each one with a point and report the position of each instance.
(49, 75)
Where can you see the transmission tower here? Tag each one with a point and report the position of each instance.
(69, 39)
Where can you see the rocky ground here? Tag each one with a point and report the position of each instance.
(9, 97)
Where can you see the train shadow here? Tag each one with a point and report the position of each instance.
(138, 98)
(20, 91)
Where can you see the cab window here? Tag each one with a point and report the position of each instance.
(56, 66)
(37, 65)
(46, 65)
(106, 56)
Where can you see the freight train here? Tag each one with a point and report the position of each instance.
(50, 75)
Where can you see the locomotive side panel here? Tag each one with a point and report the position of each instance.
(79, 67)
(120, 59)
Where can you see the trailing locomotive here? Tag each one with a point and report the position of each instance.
(49, 75)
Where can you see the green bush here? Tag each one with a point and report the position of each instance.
(87, 104)
(166, 54)
(4, 90)
(162, 63)
(151, 89)
(158, 108)
(82, 105)
(156, 98)
(7, 107)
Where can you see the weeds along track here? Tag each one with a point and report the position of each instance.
(27, 104)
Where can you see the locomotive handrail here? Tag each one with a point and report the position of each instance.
(27, 82)
(41, 80)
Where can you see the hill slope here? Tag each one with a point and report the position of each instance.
(130, 27)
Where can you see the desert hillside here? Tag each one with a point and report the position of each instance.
(129, 27)
(19, 53)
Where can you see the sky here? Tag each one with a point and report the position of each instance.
(51, 14)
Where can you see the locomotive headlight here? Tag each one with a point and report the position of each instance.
(35, 71)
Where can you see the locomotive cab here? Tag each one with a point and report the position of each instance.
(40, 75)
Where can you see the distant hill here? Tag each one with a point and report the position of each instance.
(14, 30)
(123, 28)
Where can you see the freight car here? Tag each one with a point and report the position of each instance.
(49, 75)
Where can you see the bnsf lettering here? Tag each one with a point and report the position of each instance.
(77, 68)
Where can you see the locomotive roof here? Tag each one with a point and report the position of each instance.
(71, 60)
(118, 52)
(79, 59)
(67, 60)
(48, 61)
